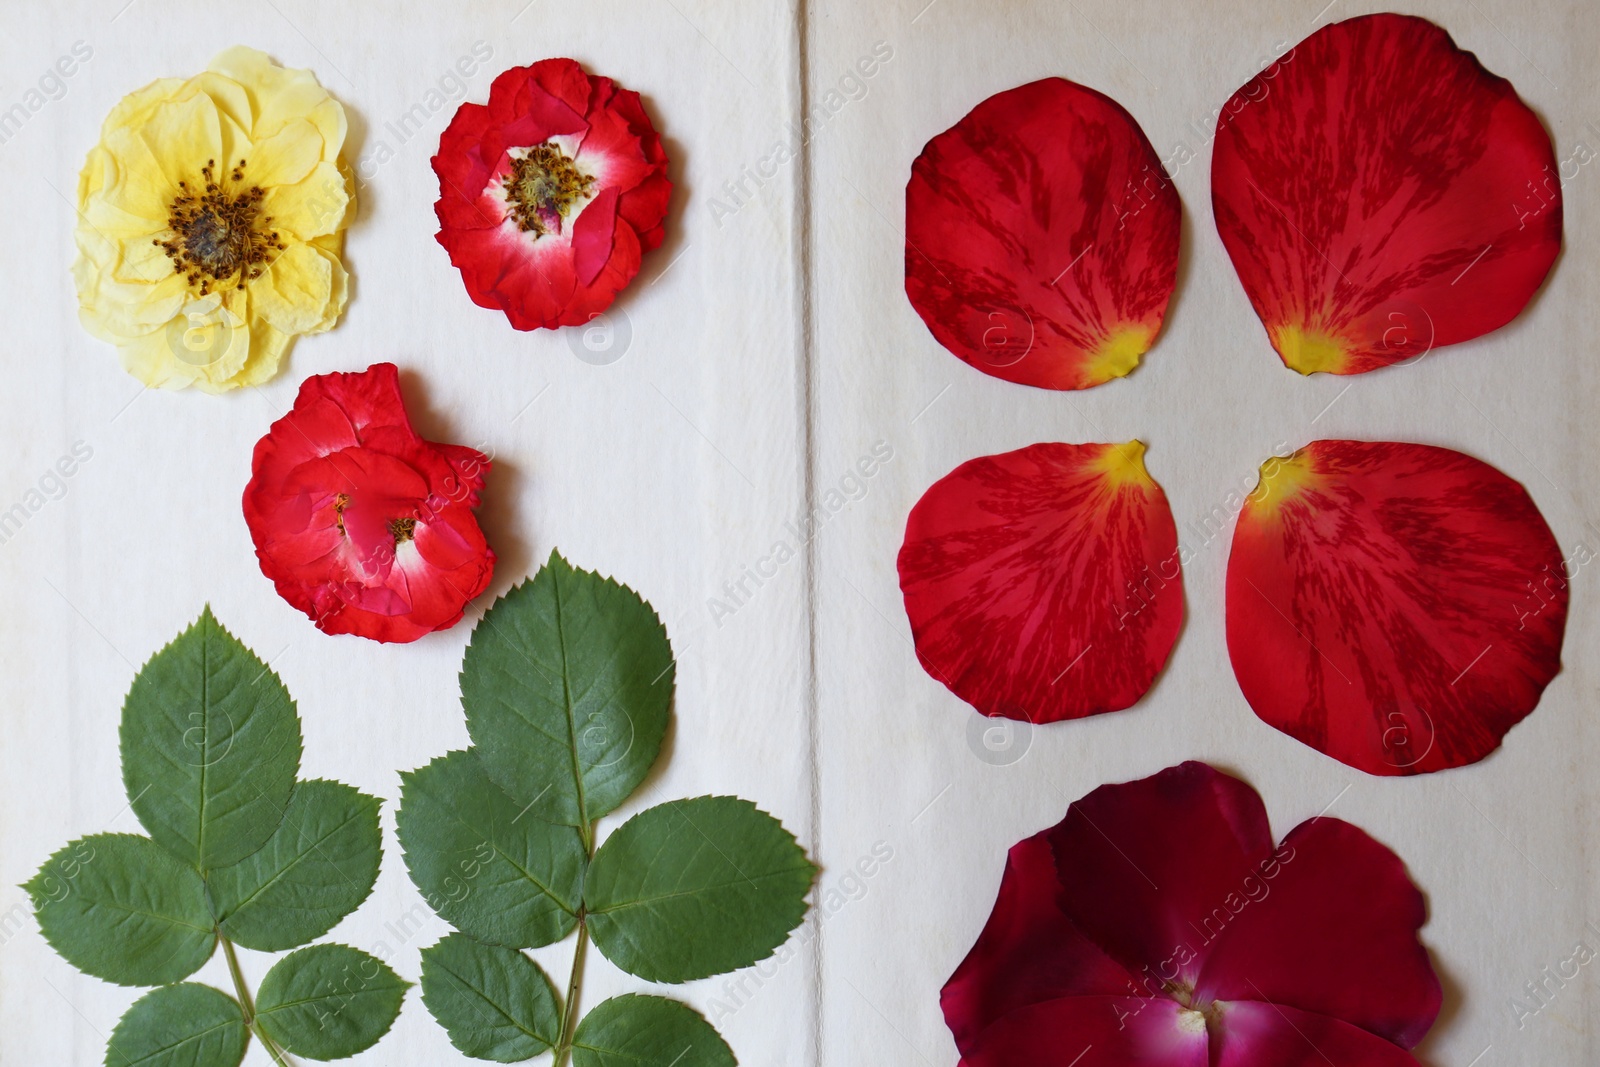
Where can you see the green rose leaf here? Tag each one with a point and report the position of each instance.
(185, 1025)
(327, 1002)
(485, 864)
(567, 684)
(210, 747)
(120, 908)
(495, 1003)
(317, 867)
(641, 1031)
(696, 887)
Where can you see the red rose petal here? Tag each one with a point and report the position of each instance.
(565, 80)
(533, 288)
(1145, 865)
(1042, 237)
(1380, 192)
(1331, 927)
(1043, 584)
(591, 236)
(612, 152)
(433, 592)
(1274, 1035)
(369, 399)
(1094, 1032)
(1396, 606)
(1028, 952)
(590, 300)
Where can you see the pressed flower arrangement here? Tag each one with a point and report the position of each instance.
(1398, 607)
(210, 220)
(1158, 923)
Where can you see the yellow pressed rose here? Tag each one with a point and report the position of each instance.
(210, 219)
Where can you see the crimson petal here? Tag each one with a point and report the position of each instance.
(1148, 868)
(1042, 237)
(1380, 192)
(1331, 928)
(1274, 1035)
(1043, 584)
(1028, 952)
(1093, 1032)
(1396, 606)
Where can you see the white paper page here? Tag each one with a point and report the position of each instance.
(668, 467)
(1499, 848)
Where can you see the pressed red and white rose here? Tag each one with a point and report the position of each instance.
(1399, 607)
(1158, 924)
(1044, 584)
(358, 521)
(1042, 237)
(550, 193)
(1381, 193)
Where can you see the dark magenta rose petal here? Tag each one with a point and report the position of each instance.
(1044, 584)
(1380, 192)
(1094, 1032)
(1042, 237)
(1273, 1035)
(1147, 867)
(1028, 951)
(1396, 606)
(1232, 952)
(1331, 927)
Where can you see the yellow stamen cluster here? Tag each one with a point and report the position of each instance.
(402, 530)
(219, 233)
(542, 187)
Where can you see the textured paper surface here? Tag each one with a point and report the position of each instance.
(750, 388)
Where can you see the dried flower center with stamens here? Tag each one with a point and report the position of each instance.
(402, 530)
(218, 233)
(542, 188)
(340, 502)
